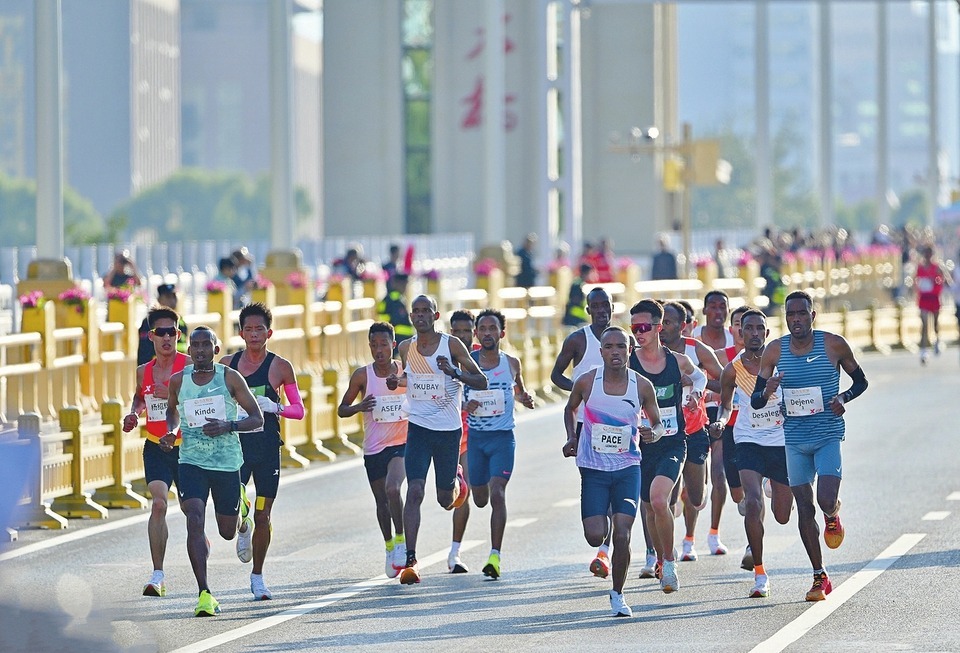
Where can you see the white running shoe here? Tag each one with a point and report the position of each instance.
(618, 605)
(747, 561)
(388, 566)
(156, 586)
(649, 570)
(689, 553)
(455, 564)
(259, 590)
(761, 588)
(716, 547)
(937, 348)
(245, 540)
(670, 581)
(399, 557)
(924, 355)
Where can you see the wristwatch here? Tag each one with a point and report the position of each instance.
(456, 372)
(233, 426)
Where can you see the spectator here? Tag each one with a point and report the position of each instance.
(602, 261)
(775, 291)
(722, 258)
(575, 312)
(351, 265)
(167, 297)
(528, 273)
(226, 271)
(393, 308)
(124, 273)
(664, 262)
(245, 276)
(392, 265)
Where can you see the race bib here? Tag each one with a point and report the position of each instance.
(156, 408)
(608, 439)
(668, 418)
(425, 387)
(389, 408)
(491, 402)
(803, 401)
(196, 411)
(736, 401)
(767, 417)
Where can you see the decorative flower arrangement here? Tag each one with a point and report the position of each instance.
(700, 262)
(297, 280)
(120, 294)
(34, 299)
(484, 267)
(260, 282)
(744, 259)
(373, 274)
(76, 297)
(624, 262)
(215, 285)
(433, 274)
(556, 264)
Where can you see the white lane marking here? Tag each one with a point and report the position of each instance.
(312, 606)
(566, 503)
(73, 536)
(936, 515)
(953, 496)
(840, 595)
(520, 523)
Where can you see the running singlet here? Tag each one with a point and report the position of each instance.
(433, 398)
(496, 402)
(156, 407)
(198, 402)
(810, 381)
(695, 419)
(591, 359)
(669, 393)
(728, 337)
(609, 440)
(386, 425)
(259, 384)
(731, 353)
(763, 426)
(929, 279)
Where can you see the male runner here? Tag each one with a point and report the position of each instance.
(663, 459)
(461, 326)
(210, 454)
(266, 374)
(491, 448)
(384, 438)
(160, 461)
(607, 449)
(435, 364)
(759, 437)
(808, 362)
(929, 281)
(730, 471)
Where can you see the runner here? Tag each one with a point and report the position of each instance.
(759, 437)
(582, 349)
(663, 459)
(607, 449)
(461, 327)
(730, 471)
(266, 374)
(809, 362)
(695, 421)
(490, 415)
(384, 439)
(434, 362)
(929, 281)
(210, 455)
(160, 461)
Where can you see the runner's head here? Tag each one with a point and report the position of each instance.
(674, 315)
(716, 306)
(491, 326)
(614, 347)
(255, 325)
(423, 313)
(204, 345)
(599, 307)
(753, 327)
(164, 330)
(735, 322)
(382, 341)
(646, 318)
(461, 327)
(690, 320)
(798, 309)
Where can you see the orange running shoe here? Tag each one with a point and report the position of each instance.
(600, 567)
(410, 574)
(464, 490)
(821, 587)
(833, 533)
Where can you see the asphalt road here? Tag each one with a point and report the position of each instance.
(896, 577)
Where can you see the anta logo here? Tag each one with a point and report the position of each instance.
(630, 401)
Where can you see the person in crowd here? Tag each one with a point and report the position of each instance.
(124, 272)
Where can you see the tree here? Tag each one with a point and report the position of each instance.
(18, 215)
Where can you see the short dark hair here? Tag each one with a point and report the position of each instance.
(162, 313)
(226, 262)
(433, 302)
(743, 308)
(752, 312)
(488, 312)
(800, 294)
(380, 327)
(614, 327)
(689, 308)
(651, 306)
(462, 316)
(679, 308)
(254, 309)
(166, 289)
(598, 290)
(716, 293)
(203, 328)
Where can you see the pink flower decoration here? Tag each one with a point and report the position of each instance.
(119, 294)
(296, 280)
(216, 286)
(262, 283)
(432, 274)
(32, 299)
(484, 267)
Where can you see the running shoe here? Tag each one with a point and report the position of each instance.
(259, 590)
(618, 605)
(821, 587)
(833, 532)
(155, 587)
(670, 581)
(207, 606)
(937, 348)
(455, 564)
(600, 567)
(761, 587)
(658, 570)
(410, 574)
(747, 561)
(649, 570)
(689, 553)
(389, 568)
(924, 355)
(399, 558)
(716, 547)
(245, 540)
(492, 568)
(244, 502)
(464, 490)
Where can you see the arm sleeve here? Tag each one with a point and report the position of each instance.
(699, 380)
(756, 399)
(859, 385)
(295, 410)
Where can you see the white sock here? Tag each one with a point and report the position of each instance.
(253, 576)
(604, 549)
(454, 548)
(494, 552)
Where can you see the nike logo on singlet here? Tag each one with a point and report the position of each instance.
(810, 359)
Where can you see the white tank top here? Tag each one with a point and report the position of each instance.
(591, 359)
(609, 440)
(728, 337)
(762, 426)
(433, 398)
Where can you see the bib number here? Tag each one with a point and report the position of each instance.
(156, 408)
(766, 417)
(198, 410)
(608, 439)
(426, 387)
(491, 402)
(803, 401)
(388, 409)
(668, 418)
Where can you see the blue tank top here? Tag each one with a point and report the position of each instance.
(810, 381)
(498, 398)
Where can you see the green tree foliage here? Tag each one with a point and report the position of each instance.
(18, 211)
(194, 204)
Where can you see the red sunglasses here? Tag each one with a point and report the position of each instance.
(643, 327)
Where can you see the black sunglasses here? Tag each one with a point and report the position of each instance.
(162, 332)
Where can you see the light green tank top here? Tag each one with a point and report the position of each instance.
(220, 453)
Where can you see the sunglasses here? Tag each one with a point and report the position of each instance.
(643, 327)
(162, 332)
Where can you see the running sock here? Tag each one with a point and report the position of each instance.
(604, 549)
(411, 557)
(389, 544)
(399, 539)
(714, 531)
(651, 551)
(758, 570)
(688, 538)
(494, 552)
(454, 548)
(816, 571)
